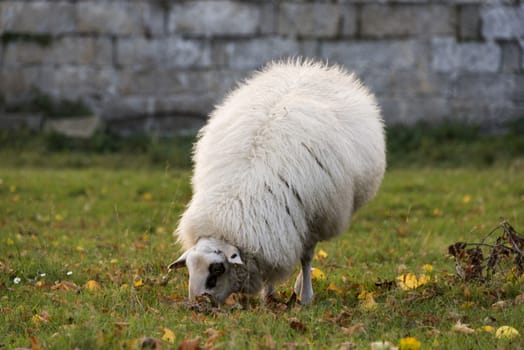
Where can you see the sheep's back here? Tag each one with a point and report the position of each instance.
(289, 155)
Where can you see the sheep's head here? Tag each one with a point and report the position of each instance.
(210, 263)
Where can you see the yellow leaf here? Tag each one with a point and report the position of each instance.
(317, 274)
(466, 199)
(427, 268)
(40, 283)
(59, 217)
(168, 335)
(409, 343)
(147, 196)
(410, 281)
(437, 212)
(334, 288)
(321, 254)
(12, 188)
(92, 285)
(160, 230)
(138, 283)
(506, 332)
(79, 248)
(10, 241)
(488, 329)
(423, 279)
(113, 261)
(369, 302)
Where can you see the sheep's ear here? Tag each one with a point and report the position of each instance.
(232, 254)
(180, 262)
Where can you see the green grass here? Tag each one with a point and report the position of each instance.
(109, 219)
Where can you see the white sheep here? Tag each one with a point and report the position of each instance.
(282, 164)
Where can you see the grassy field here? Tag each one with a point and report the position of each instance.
(85, 239)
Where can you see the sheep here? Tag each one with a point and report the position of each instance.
(281, 164)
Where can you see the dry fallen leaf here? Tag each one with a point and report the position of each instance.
(213, 336)
(65, 286)
(297, 325)
(334, 288)
(369, 302)
(168, 335)
(501, 305)
(354, 329)
(383, 345)
(190, 344)
(92, 286)
(462, 328)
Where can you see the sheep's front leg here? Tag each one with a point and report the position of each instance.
(303, 284)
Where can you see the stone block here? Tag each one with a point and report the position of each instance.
(390, 21)
(396, 110)
(503, 22)
(253, 53)
(38, 17)
(67, 50)
(17, 84)
(165, 52)
(318, 20)
(349, 20)
(217, 18)
(512, 56)
(31, 121)
(489, 88)
(73, 82)
(363, 56)
(119, 18)
(469, 22)
(161, 82)
(450, 56)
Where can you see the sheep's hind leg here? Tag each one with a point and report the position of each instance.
(303, 284)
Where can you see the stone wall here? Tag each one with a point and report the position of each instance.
(162, 65)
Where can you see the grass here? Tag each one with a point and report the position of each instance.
(108, 220)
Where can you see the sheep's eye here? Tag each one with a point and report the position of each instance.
(234, 256)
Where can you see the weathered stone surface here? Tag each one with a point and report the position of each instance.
(73, 82)
(349, 20)
(469, 22)
(17, 84)
(505, 22)
(489, 88)
(363, 56)
(67, 50)
(309, 19)
(380, 21)
(449, 56)
(166, 52)
(253, 53)
(40, 17)
(161, 82)
(511, 56)
(217, 18)
(119, 17)
(408, 112)
(79, 127)
(21, 121)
